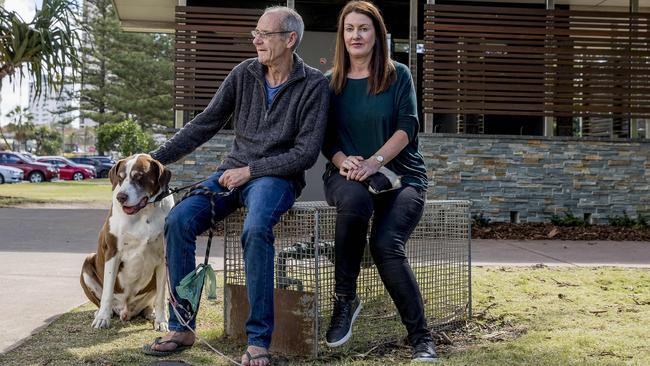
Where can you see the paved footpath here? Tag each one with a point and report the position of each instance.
(41, 252)
(561, 253)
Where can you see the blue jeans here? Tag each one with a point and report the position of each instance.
(266, 198)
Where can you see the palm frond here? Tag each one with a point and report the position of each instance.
(48, 45)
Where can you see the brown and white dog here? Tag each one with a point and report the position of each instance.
(127, 275)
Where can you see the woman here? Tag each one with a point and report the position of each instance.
(373, 123)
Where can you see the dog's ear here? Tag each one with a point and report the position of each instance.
(112, 174)
(164, 175)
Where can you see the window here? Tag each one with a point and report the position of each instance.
(12, 158)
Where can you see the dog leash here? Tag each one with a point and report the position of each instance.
(175, 305)
(169, 192)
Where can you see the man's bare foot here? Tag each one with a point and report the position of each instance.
(256, 356)
(185, 338)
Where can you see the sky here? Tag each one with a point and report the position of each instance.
(16, 92)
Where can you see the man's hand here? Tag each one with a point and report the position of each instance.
(233, 178)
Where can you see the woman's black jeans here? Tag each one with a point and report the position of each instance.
(396, 214)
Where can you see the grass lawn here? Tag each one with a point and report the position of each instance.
(522, 316)
(94, 190)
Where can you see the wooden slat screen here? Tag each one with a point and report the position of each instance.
(209, 43)
(516, 61)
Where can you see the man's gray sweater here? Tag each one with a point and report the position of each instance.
(282, 140)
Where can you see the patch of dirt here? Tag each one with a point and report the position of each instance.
(547, 231)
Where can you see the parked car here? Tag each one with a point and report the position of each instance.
(103, 159)
(101, 166)
(33, 171)
(28, 155)
(69, 170)
(10, 174)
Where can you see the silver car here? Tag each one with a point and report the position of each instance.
(10, 174)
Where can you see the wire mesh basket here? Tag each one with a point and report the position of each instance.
(438, 251)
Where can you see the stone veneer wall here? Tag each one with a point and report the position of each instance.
(533, 176)
(539, 176)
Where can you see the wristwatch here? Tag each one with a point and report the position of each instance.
(379, 159)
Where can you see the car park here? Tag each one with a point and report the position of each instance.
(69, 170)
(33, 171)
(102, 166)
(10, 174)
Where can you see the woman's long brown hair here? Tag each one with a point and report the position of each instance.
(382, 70)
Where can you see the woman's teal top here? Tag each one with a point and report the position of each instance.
(360, 124)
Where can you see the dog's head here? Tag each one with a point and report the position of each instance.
(135, 180)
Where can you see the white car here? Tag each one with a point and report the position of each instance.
(10, 174)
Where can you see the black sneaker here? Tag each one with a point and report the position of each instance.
(424, 352)
(346, 310)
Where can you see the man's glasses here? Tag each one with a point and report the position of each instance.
(264, 35)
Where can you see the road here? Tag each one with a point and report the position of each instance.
(41, 252)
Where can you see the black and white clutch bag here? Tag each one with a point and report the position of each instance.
(383, 181)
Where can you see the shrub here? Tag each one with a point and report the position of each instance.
(625, 221)
(569, 219)
(479, 220)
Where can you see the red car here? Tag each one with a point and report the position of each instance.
(69, 170)
(34, 172)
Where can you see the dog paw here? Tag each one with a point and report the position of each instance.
(125, 315)
(149, 314)
(161, 326)
(102, 321)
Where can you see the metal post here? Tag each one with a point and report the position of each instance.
(428, 117)
(549, 121)
(179, 121)
(413, 40)
(634, 122)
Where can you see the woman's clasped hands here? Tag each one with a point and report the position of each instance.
(357, 168)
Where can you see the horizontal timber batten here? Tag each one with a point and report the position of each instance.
(209, 42)
(536, 62)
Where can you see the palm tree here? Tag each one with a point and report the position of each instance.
(47, 45)
(22, 124)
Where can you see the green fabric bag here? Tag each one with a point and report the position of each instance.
(191, 285)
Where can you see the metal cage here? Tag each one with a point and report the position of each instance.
(438, 251)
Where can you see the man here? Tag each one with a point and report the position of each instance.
(279, 111)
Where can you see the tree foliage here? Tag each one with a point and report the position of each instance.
(47, 45)
(127, 137)
(125, 75)
(48, 141)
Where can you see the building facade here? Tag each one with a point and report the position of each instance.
(528, 109)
